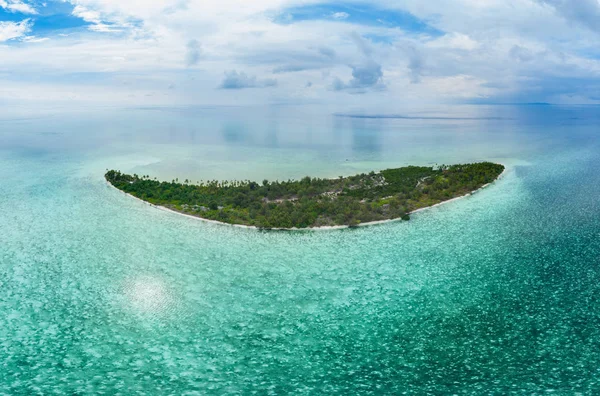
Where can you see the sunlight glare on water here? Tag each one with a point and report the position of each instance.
(147, 294)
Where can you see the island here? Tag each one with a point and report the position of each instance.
(313, 202)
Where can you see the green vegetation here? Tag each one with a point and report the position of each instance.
(311, 202)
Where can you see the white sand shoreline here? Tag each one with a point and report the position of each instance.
(325, 228)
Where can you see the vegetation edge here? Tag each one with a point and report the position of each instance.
(360, 200)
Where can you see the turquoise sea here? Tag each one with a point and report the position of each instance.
(498, 293)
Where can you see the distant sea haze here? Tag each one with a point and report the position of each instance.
(408, 117)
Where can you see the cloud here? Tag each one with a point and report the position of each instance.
(328, 52)
(86, 14)
(457, 41)
(362, 44)
(366, 76)
(292, 68)
(96, 20)
(193, 53)
(486, 50)
(104, 28)
(34, 39)
(521, 54)
(235, 80)
(340, 15)
(17, 6)
(416, 63)
(14, 30)
(286, 59)
(585, 12)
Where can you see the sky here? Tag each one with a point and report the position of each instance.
(376, 54)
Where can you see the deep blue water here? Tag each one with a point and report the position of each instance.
(494, 294)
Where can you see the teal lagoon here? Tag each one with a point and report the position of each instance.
(495, 293)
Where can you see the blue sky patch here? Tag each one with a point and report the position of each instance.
(54, 18)
(361, 14)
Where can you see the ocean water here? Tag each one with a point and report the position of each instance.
(498, 293)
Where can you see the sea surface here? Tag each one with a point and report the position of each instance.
(498, 293)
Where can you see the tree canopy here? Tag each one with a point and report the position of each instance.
(313, 202)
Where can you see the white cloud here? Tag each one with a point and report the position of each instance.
(14, 30)
(34, 39)
(340, 15)
(97, 20)
(86, 15)
(455, 41)
(104, 28)
(17, 6)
